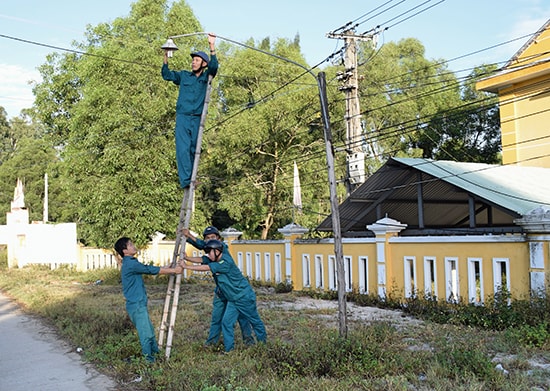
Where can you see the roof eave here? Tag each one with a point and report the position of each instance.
(509, 77)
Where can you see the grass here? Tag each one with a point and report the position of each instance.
(303, 351)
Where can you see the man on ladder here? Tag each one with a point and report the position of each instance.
(189, 107)
(191, 110)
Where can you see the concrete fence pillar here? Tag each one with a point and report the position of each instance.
(383, 230)
(229, 235)
(293, 268)
(537, 225)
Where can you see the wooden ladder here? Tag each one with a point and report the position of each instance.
(186, 211)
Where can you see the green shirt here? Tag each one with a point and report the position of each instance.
(192, 89)
(229, 278)
(133, 286)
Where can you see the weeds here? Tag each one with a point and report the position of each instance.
(454, 350)
(535, 336)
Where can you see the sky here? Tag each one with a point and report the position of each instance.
(448, 29)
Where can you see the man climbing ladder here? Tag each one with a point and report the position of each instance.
(191, 111)
(189, 107)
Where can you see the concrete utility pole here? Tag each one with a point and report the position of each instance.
(335, 210)
(349, 79)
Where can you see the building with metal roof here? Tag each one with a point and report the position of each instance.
(445, 198)
(462, 231)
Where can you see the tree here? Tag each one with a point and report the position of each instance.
(5, 142)
(263, 128)
(469, 132)
(14, 130)
(29, 161)
(114, 117)
(401, 91)
(26, 153)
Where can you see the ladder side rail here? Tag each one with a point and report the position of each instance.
(171, 279)
(187, 215)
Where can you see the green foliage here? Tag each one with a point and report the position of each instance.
(321, 294)
(4, 135)
(102, 276)
(281, 287)
(526, 321)
(393, 300)
(469, 132)
(27, 153)
(418, 108)
(16, 129)
(401, 92)
(265, 128)
(3, 257)
(327, 355)
(531, 335)
(114, 115)
(462, 360)
(284, 287)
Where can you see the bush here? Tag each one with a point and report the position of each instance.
(530, 318)
(535, 336)
(284, 287)
(457, 361)
(328, 355)
(281, 287)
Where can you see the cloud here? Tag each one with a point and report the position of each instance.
(527, 25)
(524, 26)
(16, 89)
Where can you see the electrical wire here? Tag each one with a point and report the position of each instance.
(122, 60)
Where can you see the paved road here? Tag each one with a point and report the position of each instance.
(32, 357)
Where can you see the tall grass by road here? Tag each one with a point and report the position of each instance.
(304, 351)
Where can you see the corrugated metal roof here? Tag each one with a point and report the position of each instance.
(430, 195)
(517, 188)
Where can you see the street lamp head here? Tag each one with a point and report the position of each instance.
(169, 46)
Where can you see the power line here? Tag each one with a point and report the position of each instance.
(457, 111)
(111, 58)
(353, 24)
(410, 16)
(80, 52)
(412, 125)
(133, 62)
(74, 51)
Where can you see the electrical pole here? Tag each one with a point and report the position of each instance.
(335, 210)
(354, 133)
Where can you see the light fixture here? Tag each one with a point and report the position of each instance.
(170, 47)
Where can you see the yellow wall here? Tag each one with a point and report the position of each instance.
(512, 251)
(524, 98)
(515, 253)
(322, 265)
(378, 265)
(525, 120)
(263, 262)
